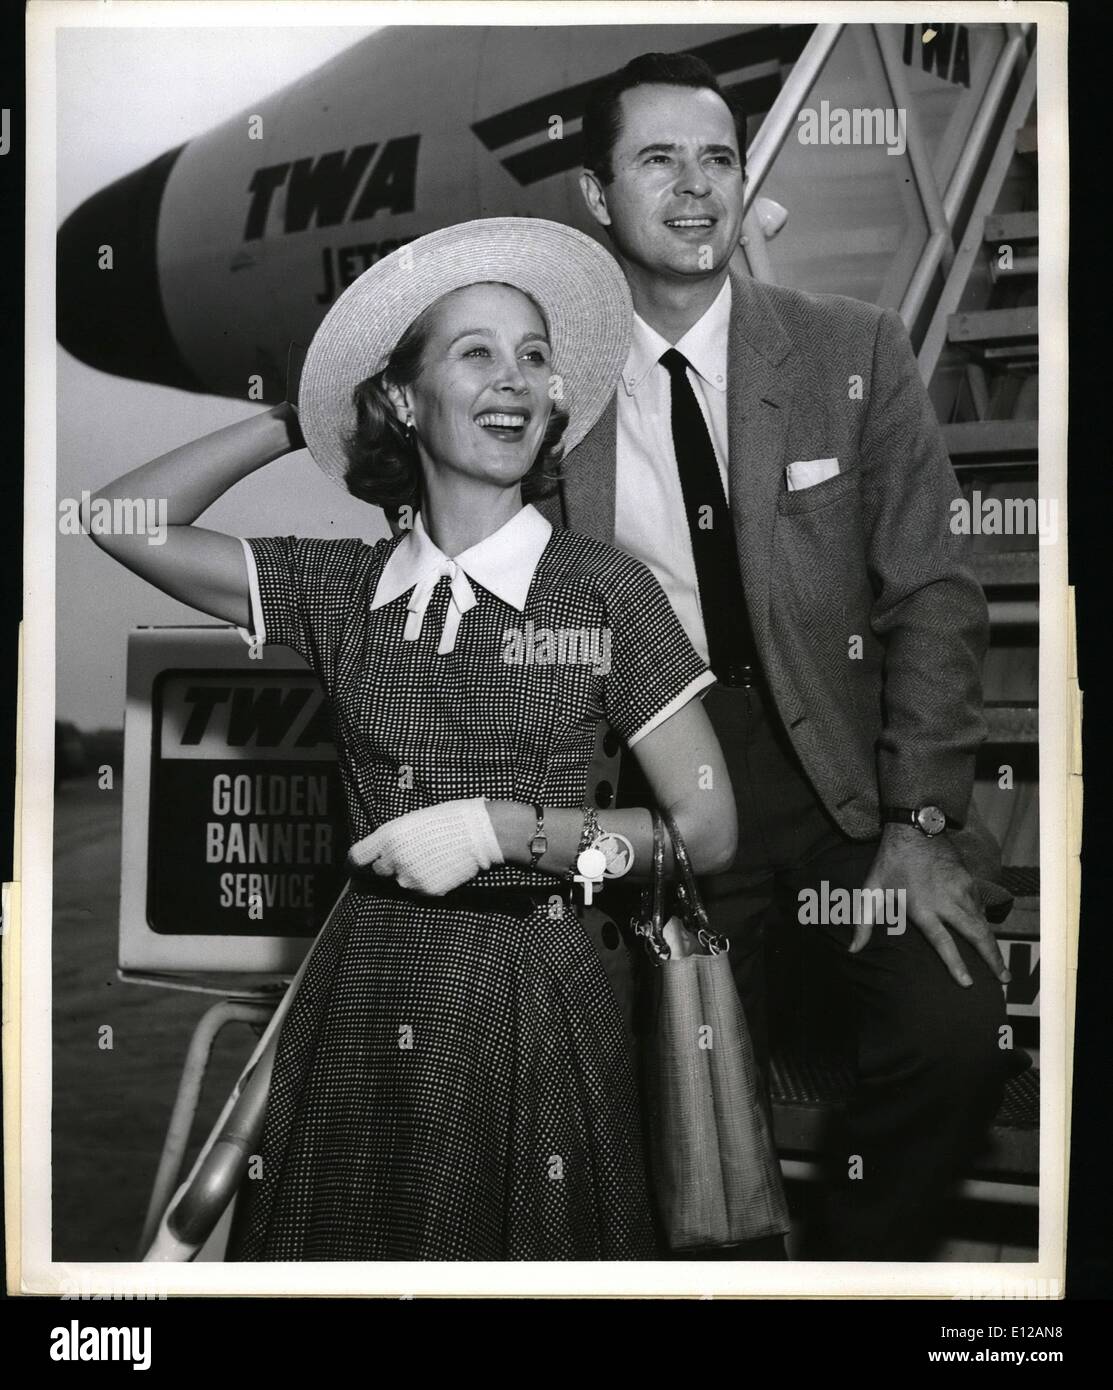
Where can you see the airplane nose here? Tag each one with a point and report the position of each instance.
(114, 319)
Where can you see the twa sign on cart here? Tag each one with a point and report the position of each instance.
(234, 834)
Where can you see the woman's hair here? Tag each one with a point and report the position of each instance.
(383, 464)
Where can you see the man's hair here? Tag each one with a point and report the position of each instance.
(602, 122)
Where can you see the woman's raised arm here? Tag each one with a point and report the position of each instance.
(203, 568)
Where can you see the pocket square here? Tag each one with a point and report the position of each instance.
(808, 472)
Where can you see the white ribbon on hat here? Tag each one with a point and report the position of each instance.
(462, 598)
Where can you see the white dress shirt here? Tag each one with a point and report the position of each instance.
(650, 521)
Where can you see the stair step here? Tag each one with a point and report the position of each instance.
(805, 1091)
(992, 445)
(1021, 266)
(1013, 613)
(1022, 923)
(1011, 227)
(1022, 880)
(1013, 723)
(1027, 139)
(997, 333)
(1007, 569)
(1004, 574)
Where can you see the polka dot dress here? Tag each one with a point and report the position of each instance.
(454, 1083)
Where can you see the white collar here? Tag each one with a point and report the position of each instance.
(503, 562)
(704, 345)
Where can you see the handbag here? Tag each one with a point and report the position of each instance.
(715, 1171)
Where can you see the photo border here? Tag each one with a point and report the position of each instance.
(27, 941)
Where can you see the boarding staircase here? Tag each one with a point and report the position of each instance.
(947, 233)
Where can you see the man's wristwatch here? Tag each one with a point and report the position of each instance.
(930, 820)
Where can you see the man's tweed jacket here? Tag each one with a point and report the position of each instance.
(869, 623)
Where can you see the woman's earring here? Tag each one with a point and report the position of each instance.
(408, 425)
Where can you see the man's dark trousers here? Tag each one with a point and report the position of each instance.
(930, 1067)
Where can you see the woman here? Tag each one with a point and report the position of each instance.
(452, 1080)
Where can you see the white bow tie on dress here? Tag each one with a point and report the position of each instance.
(504, 564)
(462, 598)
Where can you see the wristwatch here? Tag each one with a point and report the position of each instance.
(930, 820)
(539, 841)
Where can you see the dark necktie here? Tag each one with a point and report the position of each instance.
(726, 621)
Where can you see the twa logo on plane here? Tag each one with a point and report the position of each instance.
(535, 140)
(324, 192)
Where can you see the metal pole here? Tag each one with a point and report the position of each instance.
(186, 1101)
(214, 1179)
(755, 249)
(979, 131)
(918, 156)
(971, 243)
(922, 277)
(782, 115)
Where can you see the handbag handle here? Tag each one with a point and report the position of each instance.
(654, 930)
(695, 913)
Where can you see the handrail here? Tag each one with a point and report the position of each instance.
(932, 347)
(219, 1168)
(940, 210)
(980, 128)
(782, 114)
(916, 291)
(939, 225)
(758, 260)
(185, 1103)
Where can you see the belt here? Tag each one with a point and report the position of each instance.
(509, 900)
(742, 675)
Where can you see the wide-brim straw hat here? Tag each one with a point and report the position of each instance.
(577, 284)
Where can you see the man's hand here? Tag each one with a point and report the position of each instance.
(939, 897)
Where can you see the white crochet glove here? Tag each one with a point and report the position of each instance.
(432, 850)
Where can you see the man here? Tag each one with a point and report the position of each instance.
(774, 458)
